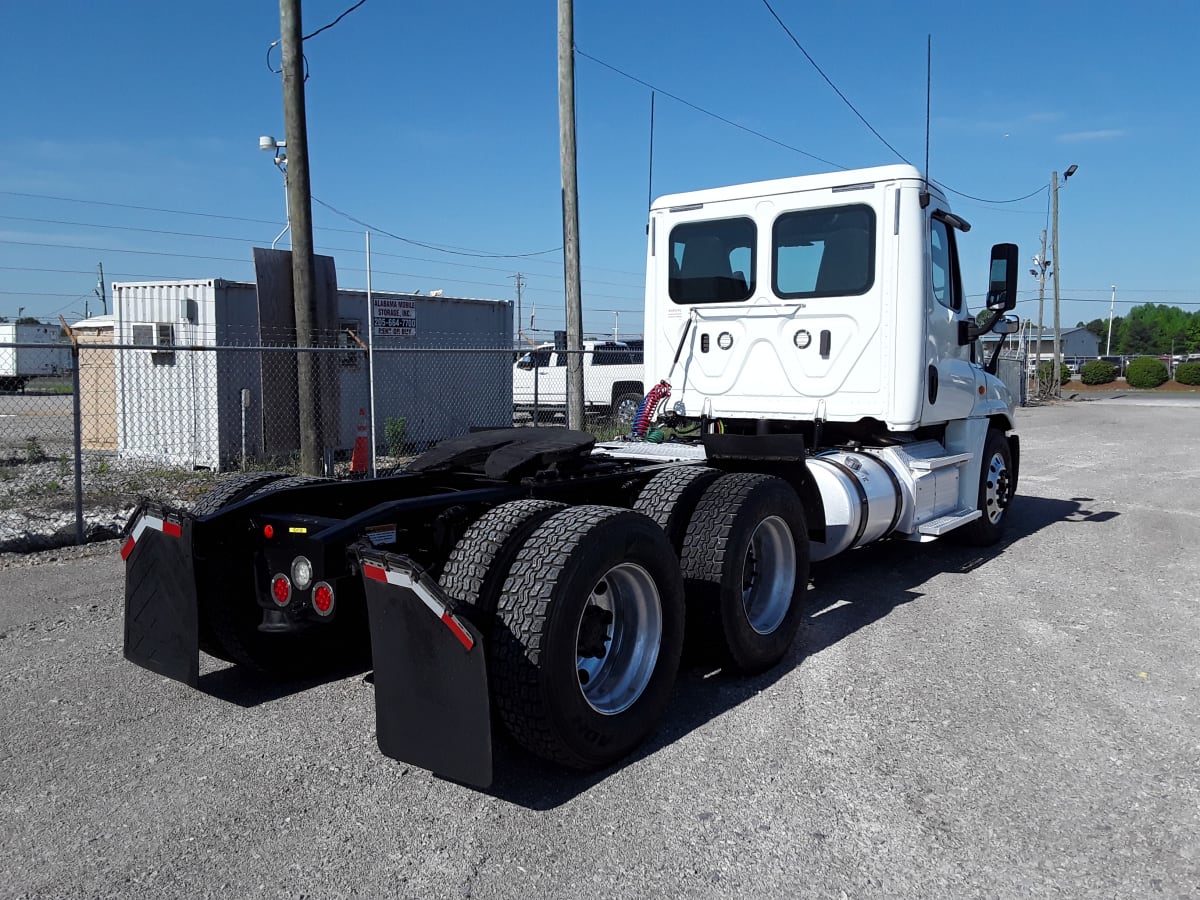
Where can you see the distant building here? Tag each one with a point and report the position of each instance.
(1073, 342)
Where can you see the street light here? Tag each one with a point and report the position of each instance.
(1056, 376)
(267, 142)
(1111, 304)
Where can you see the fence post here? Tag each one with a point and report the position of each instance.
(536, 369)
(78, 422)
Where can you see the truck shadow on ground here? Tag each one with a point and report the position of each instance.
(849, 593)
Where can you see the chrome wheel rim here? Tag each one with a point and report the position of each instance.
(617, 639)
(996, 488)
(769, 575)
(626, 410)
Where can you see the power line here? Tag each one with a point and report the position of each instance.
(706, 112)
(829, 81)
(460, 252)
(776, 141)
(335, 21)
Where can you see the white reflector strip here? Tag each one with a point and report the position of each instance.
(166, 527)
(401, 579)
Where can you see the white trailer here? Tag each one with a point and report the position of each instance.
(20, 362)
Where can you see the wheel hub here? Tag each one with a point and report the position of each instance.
(617, 639)
(769, 575)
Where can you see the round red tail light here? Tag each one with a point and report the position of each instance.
(322, 598)
(281, 590)
(268, 531)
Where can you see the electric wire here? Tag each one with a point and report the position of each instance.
(706, 112)
(829, 82)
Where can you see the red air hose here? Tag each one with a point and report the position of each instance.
(649, 408)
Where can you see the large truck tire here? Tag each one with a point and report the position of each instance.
(210, 588)
(588, 634)
(745, 568)
(233, 616)
(670, 497)
(478, 565)
(996, 488)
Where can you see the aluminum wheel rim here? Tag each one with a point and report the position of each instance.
(995, 491)
(628, 598)
(626, 410)
(769, 575)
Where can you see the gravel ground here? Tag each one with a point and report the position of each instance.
(1013, 723)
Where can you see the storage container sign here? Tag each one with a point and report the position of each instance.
(395, 318)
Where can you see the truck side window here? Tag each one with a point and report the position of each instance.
(947, 283)
(712, 262)
(824, 252)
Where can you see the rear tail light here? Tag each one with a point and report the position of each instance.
(322, 598)
(281, 590)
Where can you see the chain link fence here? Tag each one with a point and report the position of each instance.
(79, 447)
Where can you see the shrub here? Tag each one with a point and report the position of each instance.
(1146, 372)
(1046, 372)
(1098, 372)
(393, 433)
(1188, 373)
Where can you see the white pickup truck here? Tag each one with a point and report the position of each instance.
(613, 383)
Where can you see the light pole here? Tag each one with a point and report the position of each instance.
(266, 142)
(1041, 265)
(1111, 304)
(1056, 376)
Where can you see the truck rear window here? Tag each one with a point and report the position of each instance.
(712, 262)
(824, 252)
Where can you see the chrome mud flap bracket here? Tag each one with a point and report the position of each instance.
(431, 689)
(161, 620)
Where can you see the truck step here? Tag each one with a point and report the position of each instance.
(938, 462)
(950, 521)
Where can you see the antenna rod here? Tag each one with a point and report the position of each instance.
(650, 185)
(928, 92)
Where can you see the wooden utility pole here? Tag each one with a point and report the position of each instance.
(570, 208)
(300, 216)
(1037, 366)
(520, 279)
(1056, 376)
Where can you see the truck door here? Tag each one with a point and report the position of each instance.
(949, 374)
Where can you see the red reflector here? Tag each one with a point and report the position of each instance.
(127, 548)
(459, 632)
(323, 598)
(268, 531)
(172, 528)
(281, 589)
(375, 573)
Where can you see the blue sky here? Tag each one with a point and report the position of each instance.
(438, 122)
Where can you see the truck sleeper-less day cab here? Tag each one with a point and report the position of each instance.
(814, 360)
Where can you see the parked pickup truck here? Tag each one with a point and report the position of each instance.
(613, 382)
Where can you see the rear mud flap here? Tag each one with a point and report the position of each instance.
(161, 621)
(431, 689)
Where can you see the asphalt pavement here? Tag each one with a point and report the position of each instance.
(1020, 722)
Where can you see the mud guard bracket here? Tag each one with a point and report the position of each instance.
(431, 688)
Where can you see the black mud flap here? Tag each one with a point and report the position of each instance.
(431, 689)
(161, 620)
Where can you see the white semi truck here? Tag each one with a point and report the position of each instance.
(815, 388)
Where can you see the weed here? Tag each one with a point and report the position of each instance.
(393, 432)
(33, 450)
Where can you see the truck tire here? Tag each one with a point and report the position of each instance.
(587, 638)
(745, 568)
(479, 563)
(995, 493)
(211, 592)
(670, 497)
(234, 617)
